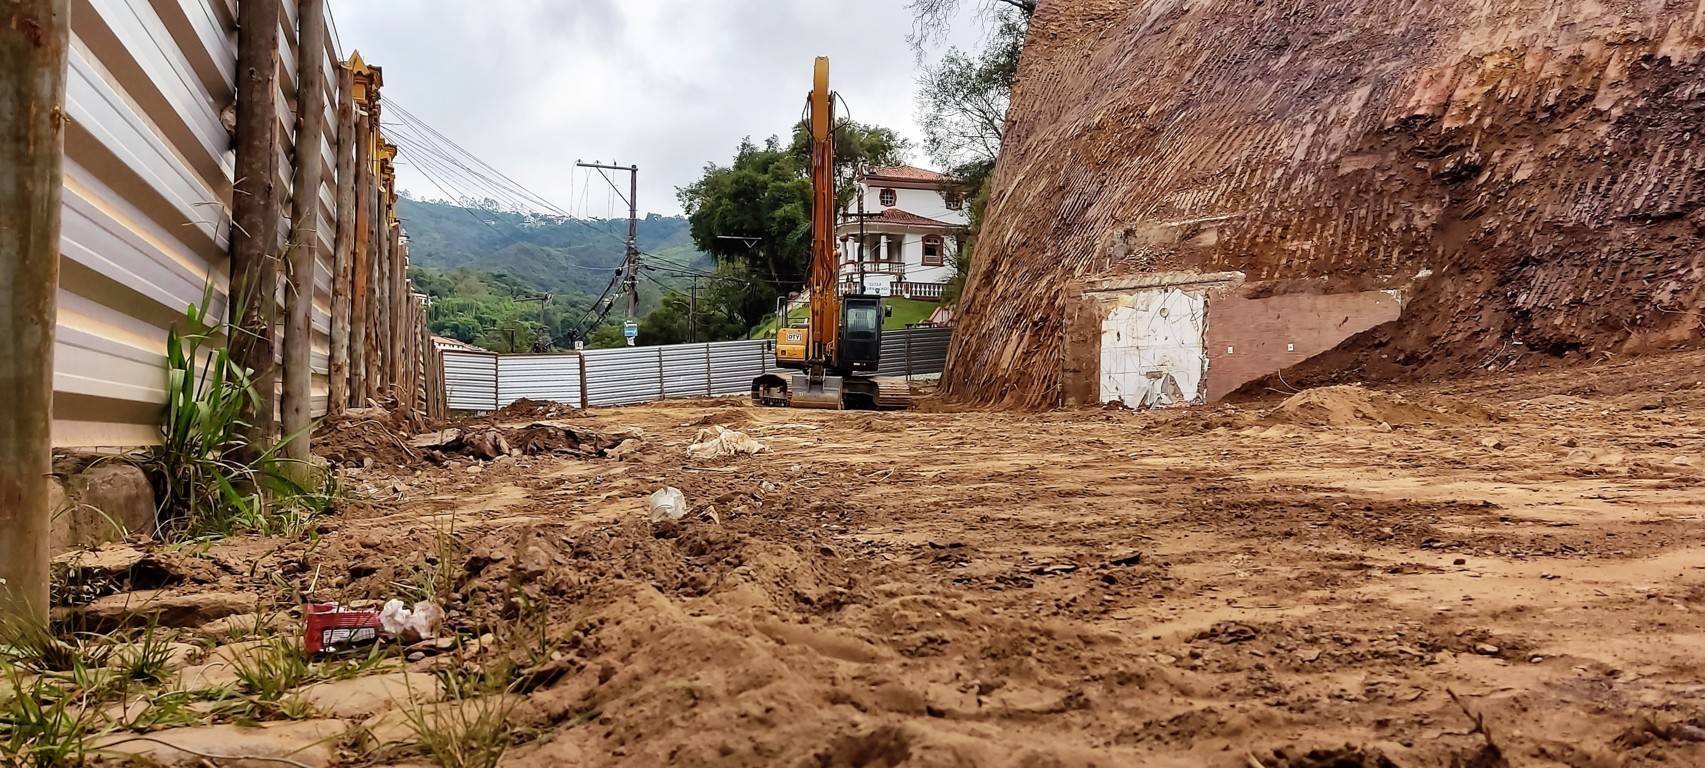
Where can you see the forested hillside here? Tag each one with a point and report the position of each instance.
(543, 253)
(489, 272)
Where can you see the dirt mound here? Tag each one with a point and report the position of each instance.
(878, 424)
(365, 437)
(1355, 406)
(524, 409)
(727, 417)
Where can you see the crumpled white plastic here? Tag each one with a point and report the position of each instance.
(719, 441)
(420, 623)
(667, 503)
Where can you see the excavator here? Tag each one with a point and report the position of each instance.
(836, 353)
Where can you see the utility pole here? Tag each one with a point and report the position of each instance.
(693, 312)
(32, 151)
(630, 264)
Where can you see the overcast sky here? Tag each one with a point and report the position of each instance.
(532, 85)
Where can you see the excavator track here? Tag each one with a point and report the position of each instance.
(893, 394)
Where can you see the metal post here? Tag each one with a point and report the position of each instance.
(32, 142)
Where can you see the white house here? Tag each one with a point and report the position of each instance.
(908, 237)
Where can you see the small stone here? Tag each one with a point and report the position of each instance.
(416, 656)
(1535, 659)
(1459, 561)
(1309, 654)
(1492, 443)
(474, 469)
(1487, 649)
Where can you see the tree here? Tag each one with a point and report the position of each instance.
(963, 99)
(763, 198)
(931, 19)
(857, 146)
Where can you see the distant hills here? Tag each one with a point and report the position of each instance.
(545, 253)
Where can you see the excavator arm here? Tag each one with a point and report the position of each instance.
(824, 337)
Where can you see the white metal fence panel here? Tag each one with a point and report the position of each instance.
(538, 377)
(685, 370)
(470, 380)
(734, 364)
(146, 205)
(623, 376)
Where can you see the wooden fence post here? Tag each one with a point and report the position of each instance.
(254, 236)
(304, 228)
(344, 248)
(33, 49)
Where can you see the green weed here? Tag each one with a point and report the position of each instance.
(208, 488)
(41, 723)
(463, 733)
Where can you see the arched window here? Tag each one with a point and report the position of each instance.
(889, 198)
(932, 251)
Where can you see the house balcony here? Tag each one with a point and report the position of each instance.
(875, 267)
(904, 290)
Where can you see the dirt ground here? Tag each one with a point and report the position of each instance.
(1348, 578)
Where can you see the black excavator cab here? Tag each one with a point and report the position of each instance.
(861, 332)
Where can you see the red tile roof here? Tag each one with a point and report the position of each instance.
(897, 216)
(906, 173)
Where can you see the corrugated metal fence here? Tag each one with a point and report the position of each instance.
(146, 216)
(483, 381)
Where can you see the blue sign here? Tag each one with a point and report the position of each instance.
(630, 329)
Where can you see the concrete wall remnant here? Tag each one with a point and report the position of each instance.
(1180, 338)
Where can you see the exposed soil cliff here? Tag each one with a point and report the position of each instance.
(1528, 172)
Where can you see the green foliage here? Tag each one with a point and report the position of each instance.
(764, 195)
(498, 312)
(207, 488)
(42, 723)
(726, 304)
(463, 733)
(856, 146)
(981, 180)
(546, 254)
(963, 98)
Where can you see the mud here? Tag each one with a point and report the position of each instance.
(1086, 588)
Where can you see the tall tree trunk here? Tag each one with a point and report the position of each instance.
(254, 238)
(34, 36)
(305, 227)
(361, 263)
(399, 314)
(343, 260)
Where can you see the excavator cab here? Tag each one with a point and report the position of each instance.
(861, 332)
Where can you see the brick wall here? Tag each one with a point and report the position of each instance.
(1250, 338)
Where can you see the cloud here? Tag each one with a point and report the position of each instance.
(532, 85)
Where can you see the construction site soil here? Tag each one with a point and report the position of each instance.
(1504, 571)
